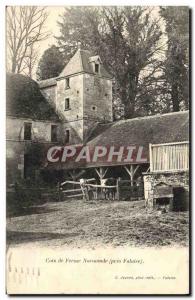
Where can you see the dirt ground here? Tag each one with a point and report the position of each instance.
(79, 224)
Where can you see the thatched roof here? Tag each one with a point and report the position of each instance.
(24, 99)
(166, 128)
(158, 129)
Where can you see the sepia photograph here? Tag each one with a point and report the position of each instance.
(97, 150)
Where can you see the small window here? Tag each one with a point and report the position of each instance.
(94, 108)
(96, 68)
(67, 136)
(54, 135)
(67, 83)
(67, 103)
(27, 131)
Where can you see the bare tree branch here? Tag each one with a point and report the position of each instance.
(25, 27)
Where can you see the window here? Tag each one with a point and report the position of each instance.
(27, 131)
(67, 135)
(54, 136)
(94, 108)
(67, 83)
(67, 103)
(96, 68)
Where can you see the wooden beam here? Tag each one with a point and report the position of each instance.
(128, 170)
(150, 157)
(136, 169)
(105, 172)
(132, 174)
(148, 170)
(101, 173)
(169, 144)
(131, 171)
(97, 172)
(74, 175)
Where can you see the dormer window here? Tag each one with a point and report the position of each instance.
(95, 62)
(67, 83)
(97, 68)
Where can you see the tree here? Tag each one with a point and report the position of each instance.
(128, 41)
(50, 64)
(24, 30)
(176, 68)
(30, 61)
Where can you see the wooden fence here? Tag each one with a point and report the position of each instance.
(169, 157)
(123, 190)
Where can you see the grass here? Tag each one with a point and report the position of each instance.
(80, 224)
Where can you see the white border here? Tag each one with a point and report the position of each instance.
(2, 101)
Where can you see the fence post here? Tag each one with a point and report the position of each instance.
(58, 191)
(117, 188)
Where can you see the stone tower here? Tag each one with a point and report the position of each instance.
(82, 96)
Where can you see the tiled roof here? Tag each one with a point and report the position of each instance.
(80, 62)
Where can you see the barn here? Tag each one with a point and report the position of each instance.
(76, 109)
(165, 152)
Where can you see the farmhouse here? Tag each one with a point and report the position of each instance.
(75, 109)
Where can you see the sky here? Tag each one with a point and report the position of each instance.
(51, 26)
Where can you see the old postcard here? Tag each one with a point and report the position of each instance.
(97, 115)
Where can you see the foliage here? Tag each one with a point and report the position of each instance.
(176, 67)
(50, 64)
(128, 41)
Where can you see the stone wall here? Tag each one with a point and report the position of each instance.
(90, 99)
(175, 179)
(76, 132)
(172, 178)
(97, 98)
(41, 130)
(50, 94)
(16, 146)
(72, 118)
(75, 94)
